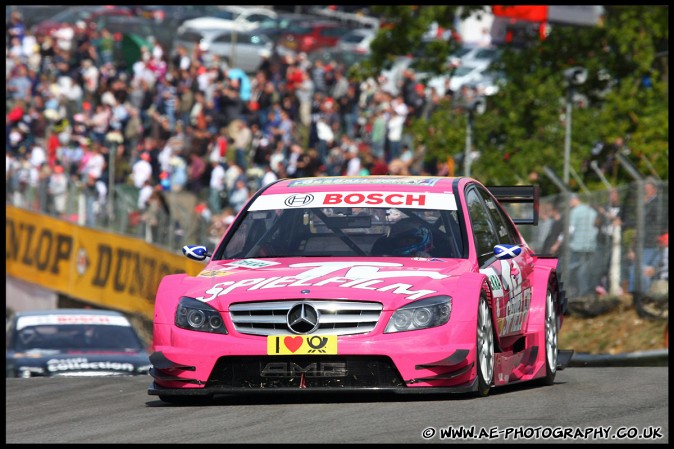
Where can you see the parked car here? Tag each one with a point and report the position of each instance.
(226, 16)
(236, 46)
(357, 40)
(73, 343)
(392, 73)
(70, 16)
(312, 35)
(132, 33)
(336, 55)
(387, 283)
(175, 14)
(479, 56)
(283, 23)
(467, 74)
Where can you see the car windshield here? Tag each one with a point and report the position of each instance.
(78, 337)
(338, 231)
(281, 23)
(298, 29)
(464, 70)
(224, 14)
(354, 38)
(348, 58)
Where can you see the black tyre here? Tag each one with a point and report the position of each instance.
(551, 333)
(485, 348)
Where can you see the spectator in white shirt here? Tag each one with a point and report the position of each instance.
(96, 162)
(269, 176)
(144, 194)
(58, 189)
(239, 195)
(141, 170)
(217, 186)
(37, 156)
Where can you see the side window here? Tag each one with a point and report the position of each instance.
(223, 39)
(481, 223)
(255, 18)
(256, 39)
(505, 231)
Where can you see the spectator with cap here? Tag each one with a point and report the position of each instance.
(177, 172)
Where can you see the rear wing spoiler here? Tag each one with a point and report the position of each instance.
(520, 202)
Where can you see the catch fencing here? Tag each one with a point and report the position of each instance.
(621, 244)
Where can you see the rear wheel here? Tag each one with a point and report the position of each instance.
(485, 348)
(551, 331)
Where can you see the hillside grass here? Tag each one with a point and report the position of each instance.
(620, 330)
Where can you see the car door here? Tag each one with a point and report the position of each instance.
(509, 279)
(249, 53)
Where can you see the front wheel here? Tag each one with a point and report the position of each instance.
(485, 348)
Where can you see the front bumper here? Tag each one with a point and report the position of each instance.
(441, 358)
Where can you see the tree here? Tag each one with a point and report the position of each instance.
(523, 128)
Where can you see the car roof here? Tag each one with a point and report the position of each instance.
(360, 183)
(211, 24)
(240, 9)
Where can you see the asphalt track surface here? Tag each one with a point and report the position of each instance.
(600, 403)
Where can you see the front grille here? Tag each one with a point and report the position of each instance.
(304, 372)
(334, 317)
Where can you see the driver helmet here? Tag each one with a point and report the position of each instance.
(410, 238)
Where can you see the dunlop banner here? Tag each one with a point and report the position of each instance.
(102, 268)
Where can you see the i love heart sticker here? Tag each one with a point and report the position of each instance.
(301, 344)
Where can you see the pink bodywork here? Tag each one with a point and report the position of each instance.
(393, 282)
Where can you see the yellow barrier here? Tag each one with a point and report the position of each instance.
(98, 267)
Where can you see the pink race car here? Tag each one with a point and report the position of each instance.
(407, 284)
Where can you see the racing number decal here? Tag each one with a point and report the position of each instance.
(518, 301)
(505, 279)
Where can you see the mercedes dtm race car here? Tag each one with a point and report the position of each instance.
(74, 343)
(406, 284)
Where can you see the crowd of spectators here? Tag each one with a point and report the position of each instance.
(174, 123)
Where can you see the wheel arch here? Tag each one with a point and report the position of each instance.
(167, 297)
(544, 277)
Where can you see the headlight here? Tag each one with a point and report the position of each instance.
(198, 316)
(430, 312)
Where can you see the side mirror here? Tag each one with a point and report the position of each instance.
(504, 251)
(196, 252)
